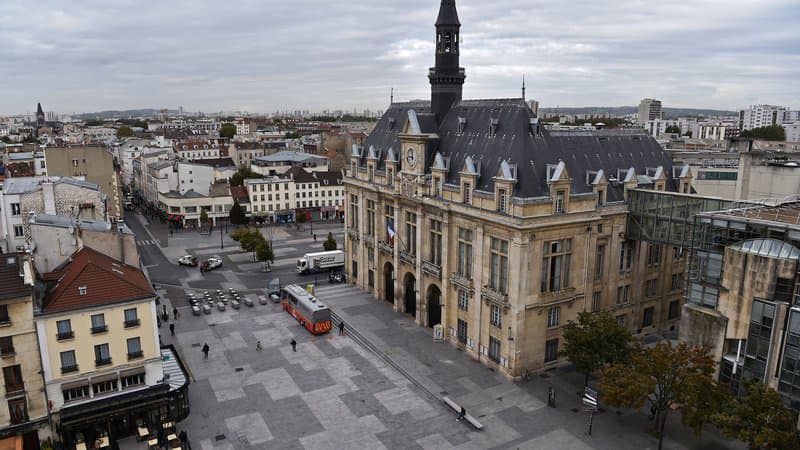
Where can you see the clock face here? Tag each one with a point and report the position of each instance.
(411, 157)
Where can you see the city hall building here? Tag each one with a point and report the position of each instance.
(469, 214)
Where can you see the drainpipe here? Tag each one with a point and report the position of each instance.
(586, 267)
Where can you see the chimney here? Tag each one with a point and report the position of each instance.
(49, 197)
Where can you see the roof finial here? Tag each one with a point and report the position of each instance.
(523, 87)
(391, 96)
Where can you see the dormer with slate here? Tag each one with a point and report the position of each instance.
(504, 182)
(391, 166)
(684, 177)
(559, 183)
(372, 163)
(355, 158)
(438, 174)
(597, 180)
(659, 178)
(629, 180)
(469, 179)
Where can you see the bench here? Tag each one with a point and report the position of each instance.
(457, 408)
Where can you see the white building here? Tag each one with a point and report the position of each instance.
(191, 150)
(649, 109)
(319, 195)
(658, 127)
(20, 197)
(280, 162)
(792, 131)
(757, 116)
(186, 207)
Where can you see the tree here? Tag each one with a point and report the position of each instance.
(292, 135)
(595, 340)
(250, 240)
(758, 417)
(227, 130)
(330, 243)
(203, 218)
(243, 173)
(673, 129)
(670, 377)
(264, 251)
(124, 131)
(237, 214)
(770, 133)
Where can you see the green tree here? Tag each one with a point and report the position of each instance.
(237, 215)
(670, 377)
(124, 131)
(759, 418)
(595, 340)
(330, 243)
(227, 130)
(673, 129)
(243, 173)
(203, 218)
(770, 133)
(264, 251)
(292, 135)
(250, 240)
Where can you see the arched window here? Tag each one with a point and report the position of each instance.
(447, 42)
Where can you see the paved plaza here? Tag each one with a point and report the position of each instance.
(335, 393)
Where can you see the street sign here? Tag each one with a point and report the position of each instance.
(590, 392)
(590, 399)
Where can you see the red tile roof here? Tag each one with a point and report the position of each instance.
(107, 281)
(239, 193)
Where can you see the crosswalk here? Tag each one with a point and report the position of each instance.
(144, 242)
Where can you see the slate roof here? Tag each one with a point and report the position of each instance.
(85, 224)
(215, 162)
(12, 284)
(289, 156)
(107, 281)
(519, 141)
(447, 13)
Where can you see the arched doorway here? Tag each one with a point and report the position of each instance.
(410, 294)
(388, 282)
(434, 305)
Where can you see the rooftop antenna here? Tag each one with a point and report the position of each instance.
(523, 87)
(391, 96)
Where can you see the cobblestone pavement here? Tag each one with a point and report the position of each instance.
(333, 393)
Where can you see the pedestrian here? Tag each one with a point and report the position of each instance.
(175, 313)
(294, 345)
(258, 346)
(341, 328)
(184, 438)
(461, 414)
(172, 329)
(205, 351)
(315, 237)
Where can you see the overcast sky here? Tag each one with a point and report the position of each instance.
(265, 55)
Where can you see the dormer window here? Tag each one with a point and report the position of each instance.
(493, 127)
(601, 197)
(559, 207)
(467, 193)
(462, 123)
(436, 191)
(390, 175)
(82, 290)
(502, 200)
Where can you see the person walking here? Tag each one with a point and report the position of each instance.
(175, 313)
(341, 328)
(258, 346)
(172, 329)
(461, 414)
(205, 351)
(294, 345)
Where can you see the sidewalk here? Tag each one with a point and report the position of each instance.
(514, 415)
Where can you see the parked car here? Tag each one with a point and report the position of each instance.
(213, 263)
(188, 260)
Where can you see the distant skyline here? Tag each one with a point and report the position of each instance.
(263, 56)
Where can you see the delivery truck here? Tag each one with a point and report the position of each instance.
(320, 261)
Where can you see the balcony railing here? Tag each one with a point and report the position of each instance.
(369, 240)
(461, 280)
(102, 361)
(432, 269)
(68, 369)
(384, 246)
(353, 234)
(408, 258)
(7, 351)
(494, 296)
(132, 323)
(63, 335)
(15, 387)
(99, 329)
(134, 355)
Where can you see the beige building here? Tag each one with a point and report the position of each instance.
(92, 162)
(101, 357)
(24, 417)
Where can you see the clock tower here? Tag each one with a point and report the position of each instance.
(446, 77)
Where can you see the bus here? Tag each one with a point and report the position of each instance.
(304, 307)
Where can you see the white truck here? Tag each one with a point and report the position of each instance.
(317, 262)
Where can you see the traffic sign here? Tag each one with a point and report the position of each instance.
(590, 399)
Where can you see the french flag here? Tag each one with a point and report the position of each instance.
(390, 231)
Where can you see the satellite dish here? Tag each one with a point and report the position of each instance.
(75, 242)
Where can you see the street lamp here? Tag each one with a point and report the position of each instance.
(221, 244)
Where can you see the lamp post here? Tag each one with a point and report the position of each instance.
(221, 243)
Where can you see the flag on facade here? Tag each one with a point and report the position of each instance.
(390, 231)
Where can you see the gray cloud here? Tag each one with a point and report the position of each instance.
(259, 55)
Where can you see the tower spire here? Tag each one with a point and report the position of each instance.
(523, 87)
(391, 96)
(446, 77)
